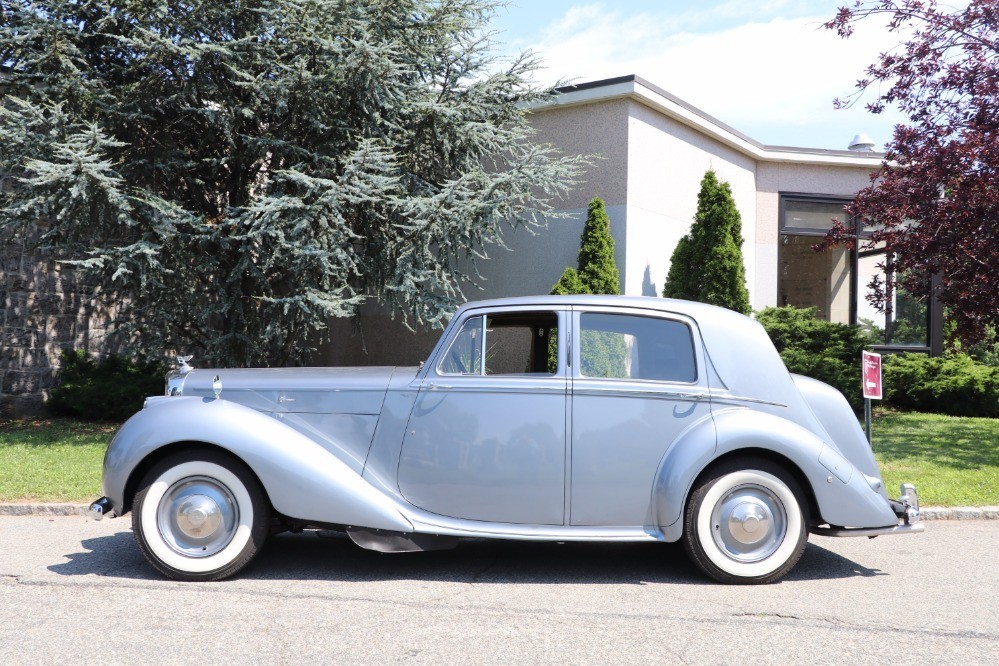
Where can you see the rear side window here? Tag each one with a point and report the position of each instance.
(618, 346)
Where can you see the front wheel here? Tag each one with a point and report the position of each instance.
(200, 515)
(746, 522)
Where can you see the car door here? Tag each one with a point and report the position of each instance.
(636, 384)
(486, 439)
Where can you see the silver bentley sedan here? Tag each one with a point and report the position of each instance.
(564, 418)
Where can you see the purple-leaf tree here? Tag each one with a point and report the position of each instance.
(935, 202)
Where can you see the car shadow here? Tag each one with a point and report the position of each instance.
(113, 555)
(333, 557)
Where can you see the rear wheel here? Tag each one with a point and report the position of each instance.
(200, 515)
(746, 522)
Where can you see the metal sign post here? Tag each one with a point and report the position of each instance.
(870, 378)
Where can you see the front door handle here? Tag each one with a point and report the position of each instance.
(438, 387)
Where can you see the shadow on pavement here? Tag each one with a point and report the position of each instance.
(115, 555)
(333, 557)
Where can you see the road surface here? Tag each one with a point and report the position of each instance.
(77, 591)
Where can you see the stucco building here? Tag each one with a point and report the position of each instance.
(652, 151)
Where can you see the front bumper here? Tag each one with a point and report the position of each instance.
(906, 508)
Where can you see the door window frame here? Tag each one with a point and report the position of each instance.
(700, 376)
(438, 357)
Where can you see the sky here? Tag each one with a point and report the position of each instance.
(765, 67)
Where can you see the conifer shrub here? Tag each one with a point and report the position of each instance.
(596, 273)
(955, 384)
(109, 389)
(707, 264)
(597, 268)
(569, 283)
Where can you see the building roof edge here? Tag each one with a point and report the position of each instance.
(708, 123)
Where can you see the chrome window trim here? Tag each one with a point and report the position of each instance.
(562, 315)
(695, 343)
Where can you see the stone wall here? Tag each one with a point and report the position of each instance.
(44, 308)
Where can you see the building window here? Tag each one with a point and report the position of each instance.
(807, 278)
(835, 282)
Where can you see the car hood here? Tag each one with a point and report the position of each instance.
(303, 390)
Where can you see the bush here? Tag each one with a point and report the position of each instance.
(820, 349)
(707, 263)
(987, 350)
(111, 389)
(954, 385)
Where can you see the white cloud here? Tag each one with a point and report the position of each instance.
(770, 79)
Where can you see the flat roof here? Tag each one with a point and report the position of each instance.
(651, 95)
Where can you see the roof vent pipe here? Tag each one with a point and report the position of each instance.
(862, 144)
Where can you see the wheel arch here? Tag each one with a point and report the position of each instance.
(140, 471)
(842, 501)
(765, 454)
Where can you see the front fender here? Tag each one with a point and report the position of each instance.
(843, 496)
(302, 479)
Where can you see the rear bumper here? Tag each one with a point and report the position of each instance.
(906, 508)
(867, 532)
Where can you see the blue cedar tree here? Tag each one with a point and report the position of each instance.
(234, 174)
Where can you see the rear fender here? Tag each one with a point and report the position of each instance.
(843, 495)
(302, 479)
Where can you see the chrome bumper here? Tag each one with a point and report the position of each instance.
(867, 531)
(906, 508)
(101, 508)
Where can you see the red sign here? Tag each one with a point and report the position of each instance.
(871, 375)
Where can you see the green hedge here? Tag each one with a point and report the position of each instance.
(111, 389)
(820, 349)
(954, 385)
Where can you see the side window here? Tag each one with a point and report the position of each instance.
(516, 343)
(634, 347)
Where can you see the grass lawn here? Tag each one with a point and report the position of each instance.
(953, 461)
(52, 460)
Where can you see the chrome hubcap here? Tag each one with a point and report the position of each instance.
(749, 523)
(197, 516)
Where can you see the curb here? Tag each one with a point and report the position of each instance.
(960, 513)
(50, 509)
(926, 513)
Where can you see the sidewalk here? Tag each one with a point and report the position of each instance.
(927, 513)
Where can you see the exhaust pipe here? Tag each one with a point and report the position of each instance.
(101, 508)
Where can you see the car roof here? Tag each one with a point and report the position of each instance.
(740, 352)
(701, 312)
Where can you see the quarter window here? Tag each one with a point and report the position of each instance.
(635, 347)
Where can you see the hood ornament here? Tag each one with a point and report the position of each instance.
(182, 366)
(217, 386)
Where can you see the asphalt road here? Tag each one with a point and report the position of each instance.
(76, 591)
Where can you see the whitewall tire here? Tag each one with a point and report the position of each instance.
(746, 522)
(200, 515)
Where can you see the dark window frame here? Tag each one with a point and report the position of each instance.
(934, 318)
